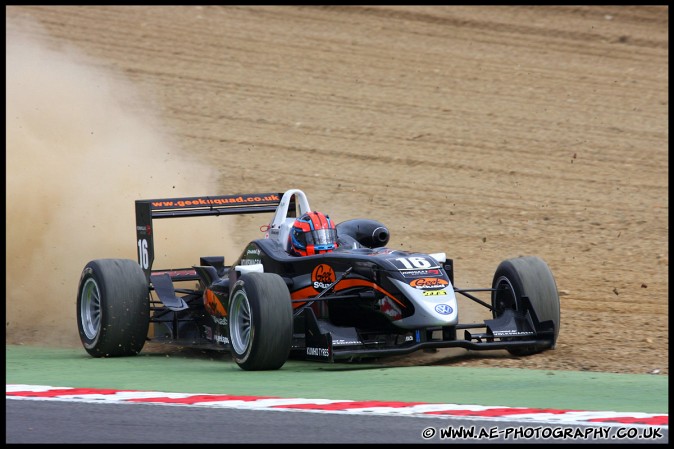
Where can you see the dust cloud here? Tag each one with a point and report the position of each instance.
(80, 149)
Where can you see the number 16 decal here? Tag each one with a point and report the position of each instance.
(143, 255)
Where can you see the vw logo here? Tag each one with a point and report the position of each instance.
(444, 309)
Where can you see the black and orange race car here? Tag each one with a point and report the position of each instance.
(362, 300)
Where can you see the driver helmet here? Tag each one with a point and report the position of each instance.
(312, 233)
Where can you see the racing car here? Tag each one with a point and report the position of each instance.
(360, 301)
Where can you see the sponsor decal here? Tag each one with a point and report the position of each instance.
(434, 292)
(444, 309)
(419, 273)
(510, 332)
(222, 339)
(429, 283)
(213, 305)
(254, 251)
(318, 352)
(175, 273)
(250, 261)
(347, 342)
(221, 321)
(322, 276)
(145, 230)
(219, 200)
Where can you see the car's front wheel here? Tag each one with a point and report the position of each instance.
(113, 308)
(527, 276)
(260, 321)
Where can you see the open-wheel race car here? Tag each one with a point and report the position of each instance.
(360, 300)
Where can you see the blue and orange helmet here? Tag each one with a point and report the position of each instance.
(312, 233)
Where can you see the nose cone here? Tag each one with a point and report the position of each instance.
(434, 303)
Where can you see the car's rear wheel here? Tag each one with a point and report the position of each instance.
(260, 321)
(113, 308)
(527, 276)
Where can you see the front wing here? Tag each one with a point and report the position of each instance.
(323, 341)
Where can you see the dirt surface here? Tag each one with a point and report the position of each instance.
(486, 132)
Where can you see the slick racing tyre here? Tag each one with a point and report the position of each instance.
(113, 308)
(526, 276)
(260, 321)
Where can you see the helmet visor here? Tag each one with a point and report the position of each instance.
(322, 238)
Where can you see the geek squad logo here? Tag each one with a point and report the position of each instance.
(322, 276)
(429, 283)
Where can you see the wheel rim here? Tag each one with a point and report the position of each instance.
(240, 322)
(90, 309)
(504, 296)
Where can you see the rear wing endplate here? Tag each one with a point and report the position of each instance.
(197, 206)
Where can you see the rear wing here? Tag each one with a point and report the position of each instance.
(195, 206)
